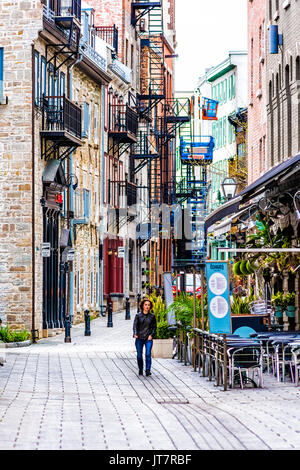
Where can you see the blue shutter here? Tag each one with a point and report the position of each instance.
(43, 77)
(1, 72)
(37, 77)
(62, 84)
(86, 119)
(86, 201)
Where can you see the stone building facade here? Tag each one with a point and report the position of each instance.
(51, 181)
(257, 115)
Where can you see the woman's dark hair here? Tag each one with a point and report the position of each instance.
(142, 304)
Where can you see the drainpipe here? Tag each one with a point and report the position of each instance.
(33, 198)
(101, 235)
(70, 197)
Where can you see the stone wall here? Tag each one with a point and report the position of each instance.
(19, 27)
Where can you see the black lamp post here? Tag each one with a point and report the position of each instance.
(229, 187)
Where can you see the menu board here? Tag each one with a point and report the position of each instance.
(218, 297)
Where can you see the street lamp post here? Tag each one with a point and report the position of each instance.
(229, 187)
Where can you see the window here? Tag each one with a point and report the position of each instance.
(233, 85)
(126, 53)
(96, 114)
(62, 90)
(37, 78)
(92, 278)
(86, 119)
(43, 77)
(1, 72)
(77, 281)
(225, 90)
(85, 279)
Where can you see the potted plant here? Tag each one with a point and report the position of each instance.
(278, 302)
(289, 301)
(163, 341)
(13, 338)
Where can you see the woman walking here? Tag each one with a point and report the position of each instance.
(144, 329)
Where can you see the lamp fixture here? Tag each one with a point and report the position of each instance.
(229, 187)
(110, 90)
(297, 211)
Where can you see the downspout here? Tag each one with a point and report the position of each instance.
(101, 238)
(33, 333)
(70, 192)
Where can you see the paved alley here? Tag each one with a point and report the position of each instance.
(87, 395)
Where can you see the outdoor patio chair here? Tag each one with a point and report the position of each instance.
(245, 360)
(295, 350)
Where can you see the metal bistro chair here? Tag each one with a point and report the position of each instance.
(245, 359)
(282, 356)
(295, 350)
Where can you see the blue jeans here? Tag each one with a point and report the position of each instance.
(139, 344)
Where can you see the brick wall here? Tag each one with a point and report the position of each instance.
(257, 154)
(282, 84)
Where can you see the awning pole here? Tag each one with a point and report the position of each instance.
(259, 250)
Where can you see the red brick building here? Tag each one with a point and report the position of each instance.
(257, 118)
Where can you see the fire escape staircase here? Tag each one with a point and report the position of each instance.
(67, 18)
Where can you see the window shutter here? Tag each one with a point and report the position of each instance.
(37, 77)
(1, 72)
(86, 120)
(86, 195)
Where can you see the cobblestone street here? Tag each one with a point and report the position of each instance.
(87, 395)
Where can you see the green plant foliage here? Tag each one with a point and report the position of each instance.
(159, 307)
(236, 268)
(183, 307)
(278, 299)
(241, 305)
(289, 299)
(163, 331)
(10, 336)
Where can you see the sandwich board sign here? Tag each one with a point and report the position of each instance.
(218, 297)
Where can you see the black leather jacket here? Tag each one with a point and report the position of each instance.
(144, 325)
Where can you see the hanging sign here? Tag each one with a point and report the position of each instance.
(218, 297)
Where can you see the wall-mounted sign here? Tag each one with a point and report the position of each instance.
(46, 250)
(71, 254)
(218, 297)
(121, 252)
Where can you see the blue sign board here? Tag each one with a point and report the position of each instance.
(218, 297)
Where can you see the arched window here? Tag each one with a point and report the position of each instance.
(288, 111)
(271, 123)
(298, 96)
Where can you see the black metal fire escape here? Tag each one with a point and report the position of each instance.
(61, 118)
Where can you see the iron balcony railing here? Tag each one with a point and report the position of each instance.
(68, 8)
(178, 108)
(109, 34)
(131, 193)
(122, 118)
(61, 114)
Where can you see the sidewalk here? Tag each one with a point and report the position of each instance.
(87, 395)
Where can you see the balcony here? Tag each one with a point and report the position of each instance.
(108, 34)
(123, 123)
(198, 152)
(97, 54)
(66, 12)
(131, 193)
(61, 121)
(121, 70)
(177, 110)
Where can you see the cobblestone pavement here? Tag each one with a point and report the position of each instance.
(87, 395)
